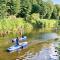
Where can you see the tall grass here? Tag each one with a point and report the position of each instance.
(14, 26)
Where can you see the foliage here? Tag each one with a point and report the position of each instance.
(58, 11)
(3, 9)
(27, 13)
(54, 13)
(28, 27)
(59, 23)
(24, 8)
(35, 8)
(38, 24)
(35, 16)
(14, 26)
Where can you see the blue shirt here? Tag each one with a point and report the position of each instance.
(17, 41)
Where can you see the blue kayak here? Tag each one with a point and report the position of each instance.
(20, 39)
(17, 47)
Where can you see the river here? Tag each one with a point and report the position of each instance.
(47, 52)
(39, 51)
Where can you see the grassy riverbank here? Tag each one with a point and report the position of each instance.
(13, 25)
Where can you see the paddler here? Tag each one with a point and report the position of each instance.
(17, 41)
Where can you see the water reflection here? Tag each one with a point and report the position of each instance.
(48, 53)
(42, 55)
(45, 36)
(48, 36)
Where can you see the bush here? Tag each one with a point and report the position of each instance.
(38, 24)
(13, 26)
(35, 16)
(58, 22)
(28, 27)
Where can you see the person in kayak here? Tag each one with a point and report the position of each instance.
(17, 41)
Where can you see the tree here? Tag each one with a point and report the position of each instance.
(39, 2)
(25, 8)
(3, 7)
(33, 2)
(58, 11)
(54, 13)
(35, 8)
(43, 9)
(50, 8)
(10, 7)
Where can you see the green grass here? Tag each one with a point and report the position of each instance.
(14, 25)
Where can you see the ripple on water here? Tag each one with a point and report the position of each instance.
(48, 36)
(44, 54)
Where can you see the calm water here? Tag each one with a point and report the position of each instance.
(40, 51)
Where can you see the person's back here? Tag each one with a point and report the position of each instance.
(17, 41)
